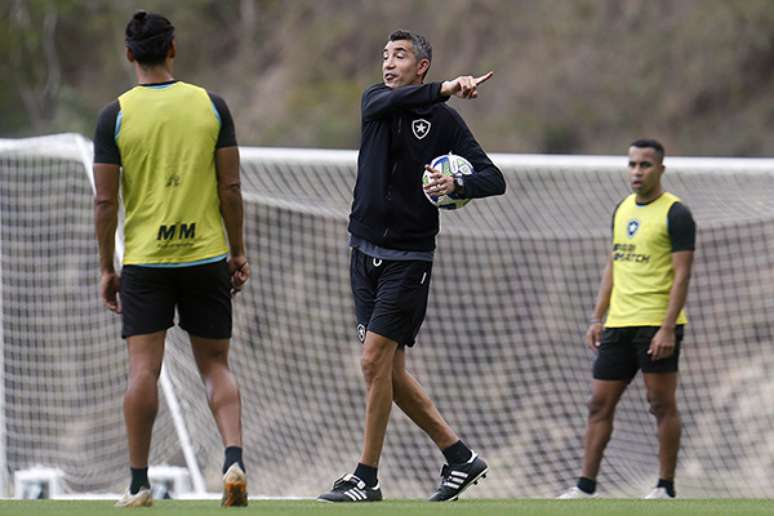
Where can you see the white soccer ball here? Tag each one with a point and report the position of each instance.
(449, 165)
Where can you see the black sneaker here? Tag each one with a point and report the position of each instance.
(455, 478)
(350, 488)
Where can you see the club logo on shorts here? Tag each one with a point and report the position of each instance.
(632, 227)
(420, 127)
(361, 331)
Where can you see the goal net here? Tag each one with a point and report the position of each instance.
(501, 351)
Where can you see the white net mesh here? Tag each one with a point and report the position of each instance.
(500, 352)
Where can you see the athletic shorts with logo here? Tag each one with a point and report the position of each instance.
(390, 296)
(201, 294)
(624, 351)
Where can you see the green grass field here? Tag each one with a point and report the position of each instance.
(408, 508)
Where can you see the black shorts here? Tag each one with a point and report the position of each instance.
(624, 351)
(201, 293)
(390, 296)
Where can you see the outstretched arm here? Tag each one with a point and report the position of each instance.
(380, 100)
(464, 86)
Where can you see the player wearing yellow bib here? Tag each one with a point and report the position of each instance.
(643, 292)
(172, 148)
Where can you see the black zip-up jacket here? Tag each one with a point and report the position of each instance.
(402, 130)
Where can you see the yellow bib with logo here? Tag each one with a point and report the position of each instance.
(642, 264)
(167, 137)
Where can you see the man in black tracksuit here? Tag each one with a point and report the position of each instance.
(404, 129)
(405, 124)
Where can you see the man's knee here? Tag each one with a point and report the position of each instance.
(210, 351)
(376, 359)
(373, 366)
(600, 408)
(140, 374)
(662, 407)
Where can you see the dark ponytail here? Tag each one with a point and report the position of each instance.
(149, 37)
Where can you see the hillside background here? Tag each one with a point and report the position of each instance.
(572, 76)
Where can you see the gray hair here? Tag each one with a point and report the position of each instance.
(422, 47)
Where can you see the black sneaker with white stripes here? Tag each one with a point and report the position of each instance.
(455, 478)
(350, 488)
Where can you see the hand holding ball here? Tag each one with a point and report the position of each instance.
(449, 165)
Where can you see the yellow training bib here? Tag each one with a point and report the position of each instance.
(642, 263)
(166, 136)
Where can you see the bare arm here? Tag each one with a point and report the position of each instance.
(594, 332)
(663, 343)
(230, 194)
(106, 181)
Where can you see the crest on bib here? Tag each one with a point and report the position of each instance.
(420, 127)
(632, 227)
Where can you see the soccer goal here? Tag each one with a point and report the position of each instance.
(501, 351)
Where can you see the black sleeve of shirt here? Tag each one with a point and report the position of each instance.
(379, 100)
(105, 147)
(612, 219)
(488, 180)
(682, 228)
(227, 134)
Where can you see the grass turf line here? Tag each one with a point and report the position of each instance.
(599, 507)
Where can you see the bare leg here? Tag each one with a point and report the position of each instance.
(376, 364)
(417, 405)
(222, 391)
(141, 400)
(604, 398)
(662, 389)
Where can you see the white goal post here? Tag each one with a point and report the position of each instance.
(501, 350)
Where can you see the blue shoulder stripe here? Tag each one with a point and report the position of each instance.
(117, 130)
(217, 113)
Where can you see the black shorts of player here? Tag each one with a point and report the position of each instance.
(201, 293)
(390, 296)
(624, 351)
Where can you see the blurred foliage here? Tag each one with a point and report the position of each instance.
(572, 76)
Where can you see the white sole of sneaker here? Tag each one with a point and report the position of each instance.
(141, 499)
(345, 502)
(234, 489)
(471, 483)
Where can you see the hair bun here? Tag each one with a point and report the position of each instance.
(140, 15)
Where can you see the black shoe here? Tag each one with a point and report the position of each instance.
(455, 478)
(350, 488)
